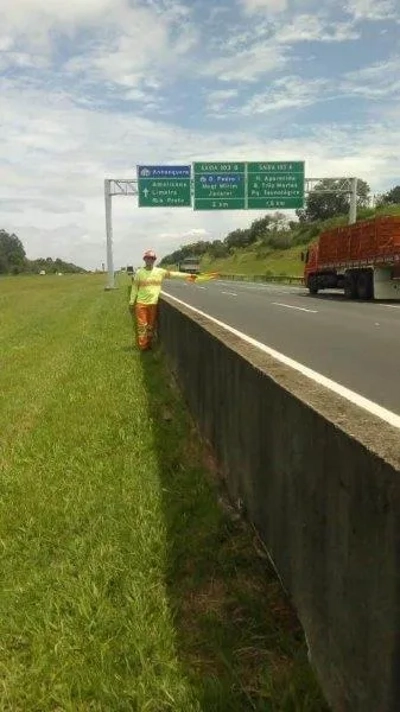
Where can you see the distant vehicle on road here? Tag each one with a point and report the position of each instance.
(363, 259)
(191, 265)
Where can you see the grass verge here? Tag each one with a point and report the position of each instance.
(124, 585)
(252, 262)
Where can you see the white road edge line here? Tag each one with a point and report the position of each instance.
(387, 415)
(231, 294)
(290, 306)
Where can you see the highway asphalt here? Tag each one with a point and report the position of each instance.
(355, 344)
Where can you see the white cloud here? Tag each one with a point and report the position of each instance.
(6, 43)
(271, 6)
(247, 65)
(379, 80)
(250, 54)
(22, 60)
(196, 234)
(371, 9)
(69, 242)
(145, 52)
(183, 237)
(285, 93)
(33, 23)
(217, 99)
(128, 43)
(376, 72)
(384, 91)
(312, 28)
(45, 14)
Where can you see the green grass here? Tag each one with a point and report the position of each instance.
(124, 585)
(263, 261)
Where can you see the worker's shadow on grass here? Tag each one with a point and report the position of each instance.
(132, 345)
(235, 639)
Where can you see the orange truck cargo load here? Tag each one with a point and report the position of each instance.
(363, 259)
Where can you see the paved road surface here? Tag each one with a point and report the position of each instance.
(355, 344)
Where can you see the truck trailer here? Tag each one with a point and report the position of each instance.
(362, 259)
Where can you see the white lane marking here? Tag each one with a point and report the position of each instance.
(290, 306)
(257, 287)
(275, 290)
(390, 306)
(231, 294)
(356, 398)
(198, 287)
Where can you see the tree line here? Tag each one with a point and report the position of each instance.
(277, 231)
(13, 259)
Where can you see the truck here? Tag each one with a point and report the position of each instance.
(191, 265)
(362, 259)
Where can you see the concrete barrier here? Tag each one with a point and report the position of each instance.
(320, 479)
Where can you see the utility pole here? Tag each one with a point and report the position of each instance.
(353, 202)
(110, 261)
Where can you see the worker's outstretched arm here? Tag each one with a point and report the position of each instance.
(202, 277)
(180, 275)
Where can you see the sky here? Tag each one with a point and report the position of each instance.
(91, 89)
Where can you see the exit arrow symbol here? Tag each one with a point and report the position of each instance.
(145, 192)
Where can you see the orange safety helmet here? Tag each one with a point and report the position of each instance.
(150, 254)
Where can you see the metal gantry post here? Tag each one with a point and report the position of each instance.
(108, 208)
(353, 202)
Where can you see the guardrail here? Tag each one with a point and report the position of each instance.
(281, 278)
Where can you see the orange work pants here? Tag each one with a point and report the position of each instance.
(146, 315)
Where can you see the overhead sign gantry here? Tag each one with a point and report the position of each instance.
(220, 185)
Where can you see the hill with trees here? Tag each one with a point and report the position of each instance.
(272, 244)
(13, 259)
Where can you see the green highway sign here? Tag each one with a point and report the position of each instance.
(219, 186)
(275, 184)
(164, 186)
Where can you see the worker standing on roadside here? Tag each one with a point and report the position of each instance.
(146, 288)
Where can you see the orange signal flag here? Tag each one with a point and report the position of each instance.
(206, 276)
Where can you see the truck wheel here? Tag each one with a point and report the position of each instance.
(364, 286)
(350, 286)
(313, 285)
